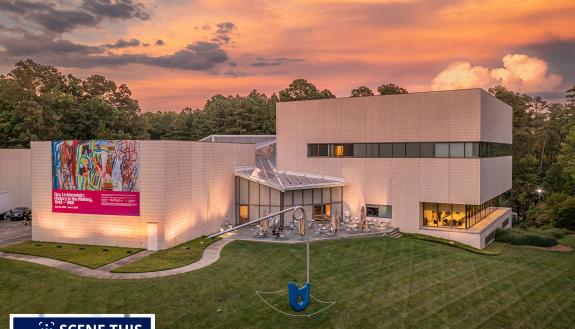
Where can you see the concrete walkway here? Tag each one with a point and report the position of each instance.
(126, 260)
(211, 255)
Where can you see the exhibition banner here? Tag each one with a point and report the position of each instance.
(96, 177)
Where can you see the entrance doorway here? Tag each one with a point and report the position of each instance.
(152, 236)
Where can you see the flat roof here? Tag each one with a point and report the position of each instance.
(239, 139)
(481, 90)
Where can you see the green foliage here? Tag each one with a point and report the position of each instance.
(252, 114)
(37, 102)
(301, 89)
(361, 91)
(517, 236)
(539, 133)
(557, 233)
(570, 95)
(391, 89)
(558, 210)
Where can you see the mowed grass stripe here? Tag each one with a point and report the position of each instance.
(376, 282)
(434, 302)
(553, 295)
(499, 300)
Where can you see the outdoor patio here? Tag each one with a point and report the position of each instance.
(319, 230)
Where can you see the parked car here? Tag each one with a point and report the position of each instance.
(20, 213)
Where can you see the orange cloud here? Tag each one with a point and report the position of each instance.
(519, 72)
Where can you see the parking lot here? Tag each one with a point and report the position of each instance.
(13, 232)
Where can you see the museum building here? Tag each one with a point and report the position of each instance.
(432, 163)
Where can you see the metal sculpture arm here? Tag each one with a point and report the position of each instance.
(255, 221)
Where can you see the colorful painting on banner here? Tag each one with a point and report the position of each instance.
(96, 177)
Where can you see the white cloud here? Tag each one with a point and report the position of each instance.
(519, 73)
(460, 75)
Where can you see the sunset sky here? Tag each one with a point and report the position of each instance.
(178, 53)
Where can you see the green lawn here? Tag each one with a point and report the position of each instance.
(178, 256)
(377, 282)
(88, 256)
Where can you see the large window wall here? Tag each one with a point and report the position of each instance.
(254, 200)
(410, 150)
(457, 216)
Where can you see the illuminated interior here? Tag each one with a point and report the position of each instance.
(457, 216)
(339, 150)
(244, 213)
(255, 200)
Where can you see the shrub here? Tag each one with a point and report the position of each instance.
(557, 233)
(525, 237)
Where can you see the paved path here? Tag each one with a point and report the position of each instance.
(14, 232)
(211, 255)
(126, 260)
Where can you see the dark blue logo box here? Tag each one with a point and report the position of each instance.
(82, 321)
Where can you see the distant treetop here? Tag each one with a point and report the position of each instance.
(301, 89)
(391, 89)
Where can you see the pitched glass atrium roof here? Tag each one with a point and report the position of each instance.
(265, 171)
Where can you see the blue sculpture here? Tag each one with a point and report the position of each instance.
(298, 297)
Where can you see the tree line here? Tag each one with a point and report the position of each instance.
(38, 102)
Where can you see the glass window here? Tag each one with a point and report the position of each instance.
(444, 210)
(456, 150)
(372, 150)
(323, 150)
(298, 198)
(426, 150)
(321, 212)
(244, 186)
(441, 150)
(288, 199)
(264, 195)
(471, 150)
(343, 150)
(412, 150)
(359, 150)
(458, 216)
(254, 193)
(244, 213)
(399, 150)
(307, 197)
(385, 150)
(338, 150)
(371, 211)
(254, 212)
(382, 211)
(275, 197)
(326, 195)
(317, 196)
(312, 150)
(385, 211)
(336, 194)
(430, 215)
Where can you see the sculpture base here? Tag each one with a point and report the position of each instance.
(278, 301)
